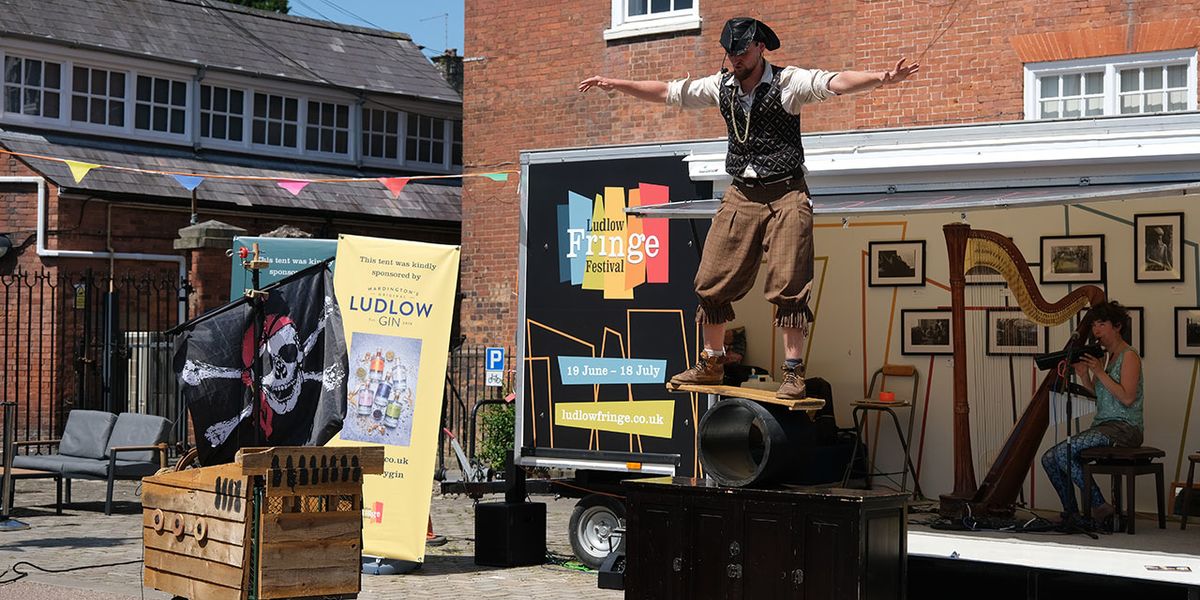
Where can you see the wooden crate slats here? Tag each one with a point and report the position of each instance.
(195, 568)
(317, 527)
(303, 581)
(179, 500)
(211, 550)
(189, 588)
(224, 478)
(256, 461)
(229, 532)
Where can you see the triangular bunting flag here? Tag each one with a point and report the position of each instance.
(189, 182)
(394, 185)
(79, 170)
(496, 176)
(293, 185)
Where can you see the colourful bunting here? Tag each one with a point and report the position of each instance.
(394, 185)
(189, 182)
(79, 170)
(293, 185)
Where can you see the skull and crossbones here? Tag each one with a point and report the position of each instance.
(283, 374)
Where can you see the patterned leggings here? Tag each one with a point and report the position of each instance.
(1062, 465)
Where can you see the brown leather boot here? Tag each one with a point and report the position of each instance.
(709, 370)
(793, 384)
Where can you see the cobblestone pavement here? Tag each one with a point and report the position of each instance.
(83, 536)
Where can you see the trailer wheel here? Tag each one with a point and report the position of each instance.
(591, 529)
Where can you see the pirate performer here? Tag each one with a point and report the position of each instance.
(766, 209)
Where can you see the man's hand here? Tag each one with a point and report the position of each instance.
(900, 73)
(601, 82)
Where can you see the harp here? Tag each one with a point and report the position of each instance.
(996, 495)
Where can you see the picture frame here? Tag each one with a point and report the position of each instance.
(1072, 259)
(1158, 247)
(896, 263)
(1011, 333)
(925, 331)
(1136, 334)
(1187, 331)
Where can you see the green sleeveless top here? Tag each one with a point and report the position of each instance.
(1108, 408)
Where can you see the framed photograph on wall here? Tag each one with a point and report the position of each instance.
(1073, 259)
(899, 263)
(1011, 333)
(925, 331)
(1187, 331)
(1135, 335)
(1158, 247)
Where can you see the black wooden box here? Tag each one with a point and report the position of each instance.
(687, 538)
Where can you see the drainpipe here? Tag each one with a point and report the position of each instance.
(43, 251)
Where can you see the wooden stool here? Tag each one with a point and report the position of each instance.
(1127, 463)
(1187, 489)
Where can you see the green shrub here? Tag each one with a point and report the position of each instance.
(497, 423)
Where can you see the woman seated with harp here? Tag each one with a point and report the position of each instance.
(1116, 380)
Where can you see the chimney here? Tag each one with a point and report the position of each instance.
(451, 66)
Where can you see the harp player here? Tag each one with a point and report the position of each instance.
(1116, 380)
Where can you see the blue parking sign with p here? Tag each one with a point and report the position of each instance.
(495, 359)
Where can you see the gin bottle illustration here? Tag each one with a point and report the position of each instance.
(364, 398)
(383, 390)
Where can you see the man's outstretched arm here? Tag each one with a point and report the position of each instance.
(653, 91)
(853, 82)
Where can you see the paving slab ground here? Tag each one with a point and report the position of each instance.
(84, 537)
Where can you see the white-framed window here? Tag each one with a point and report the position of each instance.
(1153, 89)
(98, 96)
(328, 128)
(160, 105)
(32, 87)
(380, 133)
(1157, 82)
(426, 140)
(222, 113)
(276, 120)
(456, 145)
(632, 18)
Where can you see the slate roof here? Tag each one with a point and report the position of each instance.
(232, 38)
(430, 201)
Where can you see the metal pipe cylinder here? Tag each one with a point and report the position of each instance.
(743, 443)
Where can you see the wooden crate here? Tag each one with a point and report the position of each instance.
(277, 523)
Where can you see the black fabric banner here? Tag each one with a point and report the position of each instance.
(303, 350)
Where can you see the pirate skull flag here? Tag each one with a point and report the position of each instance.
(303, 353)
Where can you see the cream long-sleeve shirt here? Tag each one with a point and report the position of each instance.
(797, 87)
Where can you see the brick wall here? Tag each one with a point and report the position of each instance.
(39, 325)
(525, 59)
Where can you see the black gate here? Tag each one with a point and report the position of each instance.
(88, 340)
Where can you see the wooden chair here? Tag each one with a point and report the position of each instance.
(871, 403)
(1187, 489)
(1127, 463)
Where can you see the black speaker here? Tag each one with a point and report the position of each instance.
(612, 572)
(510, 534)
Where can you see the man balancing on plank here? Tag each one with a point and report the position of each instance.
(766, 209)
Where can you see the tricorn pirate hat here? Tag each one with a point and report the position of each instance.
(739, 32)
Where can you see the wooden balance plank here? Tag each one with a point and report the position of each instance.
(764, 396)
(189, 588)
